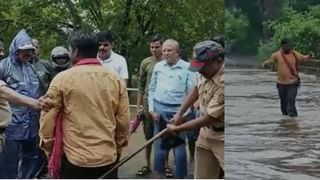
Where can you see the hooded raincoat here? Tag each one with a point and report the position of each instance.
(21, 77)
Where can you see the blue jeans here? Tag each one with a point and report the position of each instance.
(160, 154)
(19, 159)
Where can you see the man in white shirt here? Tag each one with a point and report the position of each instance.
(109, 58)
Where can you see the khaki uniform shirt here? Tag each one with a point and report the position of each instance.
(5, 112)
(211, 99)
(95, 115)
(284, 74)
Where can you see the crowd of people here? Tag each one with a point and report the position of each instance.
(69, 116)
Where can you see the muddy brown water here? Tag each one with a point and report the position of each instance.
(261, 143)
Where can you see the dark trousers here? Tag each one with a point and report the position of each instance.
(70, 171)
(288, 94)
(43, 170)
(19, 159)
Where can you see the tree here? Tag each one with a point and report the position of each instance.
(260, 13)
(133, 21)
(298, 26)
(236, 28)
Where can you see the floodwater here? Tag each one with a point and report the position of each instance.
(262, 144)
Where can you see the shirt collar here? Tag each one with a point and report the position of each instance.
(88, 61)
(177, 65)
(108, 59)
(216, 78)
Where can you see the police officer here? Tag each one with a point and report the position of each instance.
(208, 60)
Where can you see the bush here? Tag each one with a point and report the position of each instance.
(236, 28)
(266, 49)
(299, 27)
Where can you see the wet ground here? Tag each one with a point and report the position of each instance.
(261, 143)
(129, 169)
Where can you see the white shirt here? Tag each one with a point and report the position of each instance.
(118, 64)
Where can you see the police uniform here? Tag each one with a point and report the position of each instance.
(209, 152)
(5, 117)
(210, 143)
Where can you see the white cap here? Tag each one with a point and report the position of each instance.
(26, 46)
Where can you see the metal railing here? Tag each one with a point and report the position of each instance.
(133, 90)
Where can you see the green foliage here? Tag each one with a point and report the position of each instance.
(236, 29)
(300, 27)
(133, 21)
(266, 49)
(303, 5)
(236, 24)
(269, 21)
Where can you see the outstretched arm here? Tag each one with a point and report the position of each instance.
(16, 98)
(303, 58)
(214, 112)
(191, 98)
(271, 60)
